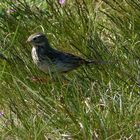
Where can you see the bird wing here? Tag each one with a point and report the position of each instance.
(56, 55)
(70, 58)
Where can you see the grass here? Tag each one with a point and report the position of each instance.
(98, 102)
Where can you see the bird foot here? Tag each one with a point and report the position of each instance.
(38, 79)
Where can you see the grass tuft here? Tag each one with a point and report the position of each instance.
(97, 102)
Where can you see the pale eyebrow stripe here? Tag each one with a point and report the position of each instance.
(37, 35)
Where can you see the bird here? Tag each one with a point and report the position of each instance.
(49, 59)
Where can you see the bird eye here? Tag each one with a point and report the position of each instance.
(34, 38)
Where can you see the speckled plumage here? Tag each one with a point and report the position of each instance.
(49, 59)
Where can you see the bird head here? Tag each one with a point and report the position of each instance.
(37, 39)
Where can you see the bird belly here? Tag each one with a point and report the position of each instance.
(55, 67)
(62, 67)
(44, 67)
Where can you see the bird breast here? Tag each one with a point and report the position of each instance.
(35, 56)
(42, 64)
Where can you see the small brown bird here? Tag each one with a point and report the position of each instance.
(49, 59)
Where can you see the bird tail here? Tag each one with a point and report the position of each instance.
(88, 62)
